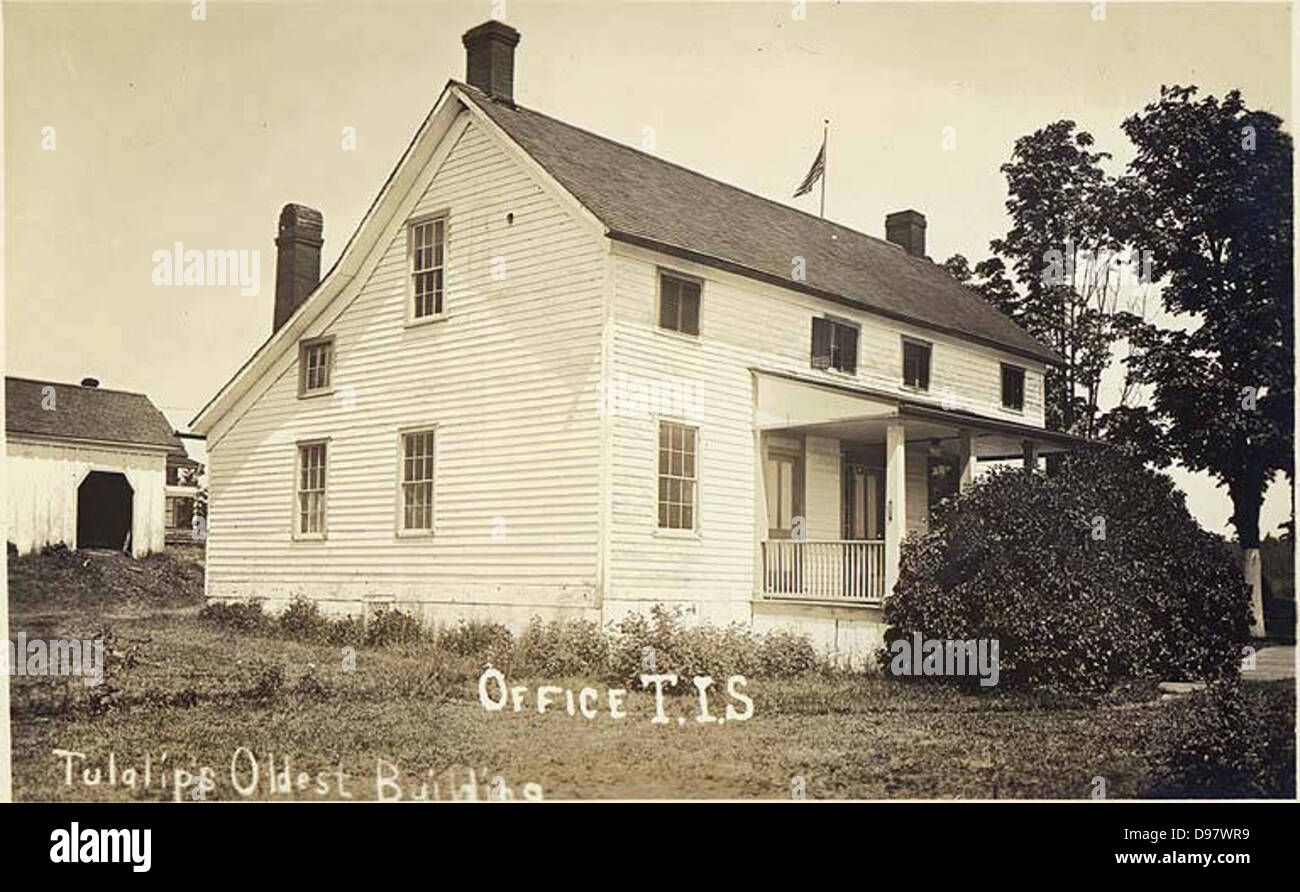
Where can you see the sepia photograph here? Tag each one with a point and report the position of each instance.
(528, 401)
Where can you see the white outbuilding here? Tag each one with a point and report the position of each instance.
(85, 466)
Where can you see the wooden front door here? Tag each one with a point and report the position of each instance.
(863, 498)
(784, 484)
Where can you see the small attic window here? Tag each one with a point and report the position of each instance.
(315, 366)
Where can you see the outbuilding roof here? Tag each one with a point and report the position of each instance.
(76, 412)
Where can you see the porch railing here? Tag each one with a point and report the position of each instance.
(836, 571)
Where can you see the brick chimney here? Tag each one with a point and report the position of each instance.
(907, 230)
(490, 59)
(297, 259)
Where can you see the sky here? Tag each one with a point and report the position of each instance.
(169, 129)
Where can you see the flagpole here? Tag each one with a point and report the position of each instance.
(826, 126)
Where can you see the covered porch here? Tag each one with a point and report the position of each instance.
(844, 474)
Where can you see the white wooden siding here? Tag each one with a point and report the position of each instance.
(43, 478)
(509, 378)
(746, 324)
(822, 487)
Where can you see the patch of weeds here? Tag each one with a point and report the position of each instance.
(389, 627)
(238, 616)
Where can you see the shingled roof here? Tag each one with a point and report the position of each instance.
(85, 413)
(645, 200)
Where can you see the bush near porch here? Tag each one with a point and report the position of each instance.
(1086, 578)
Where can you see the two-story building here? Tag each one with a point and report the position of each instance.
(551, 374)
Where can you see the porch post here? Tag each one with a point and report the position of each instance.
(1031, 456)
(895, 501)
(966, 445)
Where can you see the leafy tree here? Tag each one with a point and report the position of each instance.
(988, 279)
(1055, 272)
(1208, 194)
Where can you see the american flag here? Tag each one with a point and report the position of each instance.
(814, 173)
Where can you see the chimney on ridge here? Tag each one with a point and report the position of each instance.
(297, 259)
(490, 59)
(907, 230)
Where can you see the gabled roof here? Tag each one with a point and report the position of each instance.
(346, 268)
(639, 199)
(645, 200)
(85, 413)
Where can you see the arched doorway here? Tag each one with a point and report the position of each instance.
(104, 502)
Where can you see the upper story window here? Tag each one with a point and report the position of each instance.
(834, 345)
(315, 365)
(679, 303)
(916, 364)
(310, 491)
(427, 252)
(417, 481)
(677, 476)
(1013, 387)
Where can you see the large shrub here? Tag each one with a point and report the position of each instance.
(1092, 575)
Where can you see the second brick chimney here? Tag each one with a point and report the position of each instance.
(490, 59)
(907, 230)
(297, 259)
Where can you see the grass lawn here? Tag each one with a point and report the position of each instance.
(199, 693)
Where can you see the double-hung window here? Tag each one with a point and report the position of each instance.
(678, 476)
(834, 345)
(916, 364)
(679, 303)
(310, 495)
(417, 482)
(428, 254)
(1013, 387)
(315, 366)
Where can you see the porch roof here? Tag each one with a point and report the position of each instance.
(786, 401)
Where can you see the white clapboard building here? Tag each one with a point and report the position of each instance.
(554, 375)
(85, 466)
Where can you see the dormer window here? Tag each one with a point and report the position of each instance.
(315, 366)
